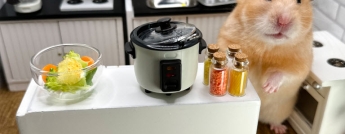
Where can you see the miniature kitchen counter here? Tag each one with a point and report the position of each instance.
(119, 105)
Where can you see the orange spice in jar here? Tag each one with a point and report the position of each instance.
(218, 74)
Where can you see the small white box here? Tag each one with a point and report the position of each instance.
(119, 106)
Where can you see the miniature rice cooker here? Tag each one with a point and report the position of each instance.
(165, 55)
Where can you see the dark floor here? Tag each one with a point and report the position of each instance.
(9, 103)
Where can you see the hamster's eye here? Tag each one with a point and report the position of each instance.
(298, 1)
(268, 0)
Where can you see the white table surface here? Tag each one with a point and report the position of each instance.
(118, 89)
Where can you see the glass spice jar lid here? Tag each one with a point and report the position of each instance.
(241, 57)
(219, 56)
(212, 48)
(234, 47)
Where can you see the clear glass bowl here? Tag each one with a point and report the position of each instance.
(60, 89)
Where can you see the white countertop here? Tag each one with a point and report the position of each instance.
(118, 105)
(118, 88)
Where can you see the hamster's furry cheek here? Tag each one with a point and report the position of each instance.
(243, 17)
(264, 24)
(306, 20)
(256, 24)
(295, 29)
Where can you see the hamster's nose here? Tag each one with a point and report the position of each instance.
(283, 20)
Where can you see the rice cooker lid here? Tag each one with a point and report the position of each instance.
(166, 35)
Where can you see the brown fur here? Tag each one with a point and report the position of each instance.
(293, 58)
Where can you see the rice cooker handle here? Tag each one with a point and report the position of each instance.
(202, 45)
(129, 48)
(165, 25)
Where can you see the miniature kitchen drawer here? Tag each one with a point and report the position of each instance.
(119, 105)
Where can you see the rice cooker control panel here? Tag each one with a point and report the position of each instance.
(170, 75)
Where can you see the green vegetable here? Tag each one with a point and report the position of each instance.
(54, 85)
(89, 76)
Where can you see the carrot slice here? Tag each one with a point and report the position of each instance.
(47, 68)
(87, 59)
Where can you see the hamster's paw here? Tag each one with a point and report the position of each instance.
(278, 129)
(273, 82)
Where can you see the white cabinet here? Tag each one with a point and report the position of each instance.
(20, 40)
(104, 34)
(18, 43)
(209, 25)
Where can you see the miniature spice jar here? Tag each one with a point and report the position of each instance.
(218, 74)
(238, 75)
(231, 51)
(211, 49)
